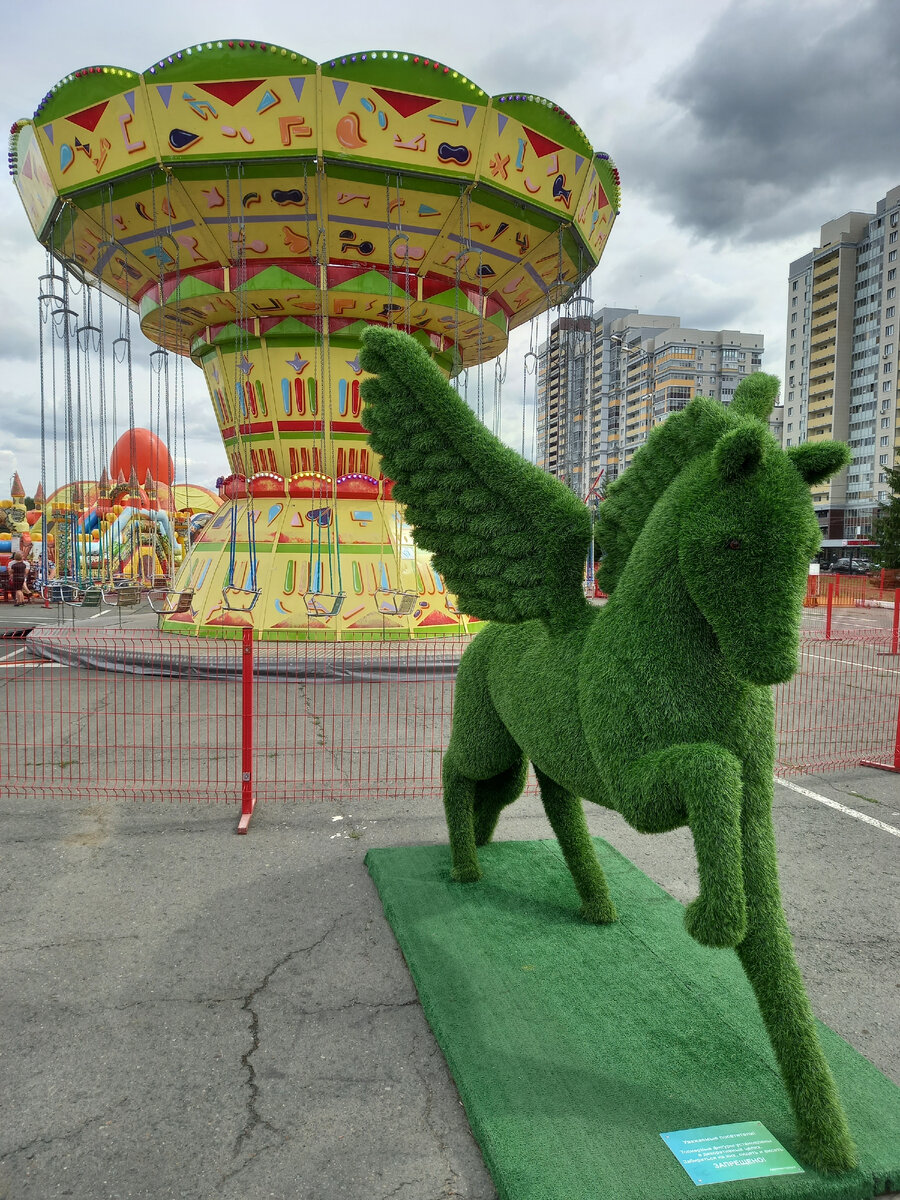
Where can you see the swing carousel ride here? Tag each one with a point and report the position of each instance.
(258, 210)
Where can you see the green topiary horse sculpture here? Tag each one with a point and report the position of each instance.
(658, 705)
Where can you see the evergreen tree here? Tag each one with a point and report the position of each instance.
(887, 524)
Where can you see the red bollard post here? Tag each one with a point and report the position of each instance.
(248, 800)
(828, 611)
(895, 631)
(881, 585)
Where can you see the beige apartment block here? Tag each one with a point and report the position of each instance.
(841, 363)
(606, 378)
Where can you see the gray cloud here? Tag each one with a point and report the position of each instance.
(775, 120)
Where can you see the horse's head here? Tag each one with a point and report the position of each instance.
(747, 533)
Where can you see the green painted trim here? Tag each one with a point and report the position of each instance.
(216, 60)
(191, 287)
(372, 283)
(72, 95)
(454, 298)
(396, 70)
(543, 116)
(344, 170)
(275, 278)
(293, 331)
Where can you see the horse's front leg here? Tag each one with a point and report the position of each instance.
(698, 784)
(767, 956)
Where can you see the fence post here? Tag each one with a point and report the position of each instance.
(895, 636)
(248, 800)
(830, 605)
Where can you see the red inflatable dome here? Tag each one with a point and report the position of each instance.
(142, 450)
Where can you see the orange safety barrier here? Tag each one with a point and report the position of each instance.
(132, 714)
(851, 589)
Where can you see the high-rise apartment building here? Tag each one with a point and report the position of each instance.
(841, 362)
(606, 378)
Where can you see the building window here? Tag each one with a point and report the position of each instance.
(892, 238)
(891, 292)
(889, 311)
(882, 460)
(892, 256)
(886, 386)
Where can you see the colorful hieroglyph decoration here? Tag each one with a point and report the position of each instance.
(259, 210)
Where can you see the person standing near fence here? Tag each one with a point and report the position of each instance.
(18, 570)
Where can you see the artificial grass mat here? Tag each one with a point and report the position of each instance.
(574, 1046)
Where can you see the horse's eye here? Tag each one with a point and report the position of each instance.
(734, 544)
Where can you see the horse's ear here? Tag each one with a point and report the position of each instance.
(739, 452)
(755, 396)
(818, 461)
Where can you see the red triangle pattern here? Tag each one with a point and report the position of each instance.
(403, 103)
(89, 118)
(602, 201)
(232, 91)
(540, 144)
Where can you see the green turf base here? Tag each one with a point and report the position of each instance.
(574, 1047)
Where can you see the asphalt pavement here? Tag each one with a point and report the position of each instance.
(188, 1013)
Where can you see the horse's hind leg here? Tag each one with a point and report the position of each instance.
(483, 769)
(566, 816)
(492, 796)
(472, 807)
(459, 809)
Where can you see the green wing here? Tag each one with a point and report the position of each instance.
(509, 540)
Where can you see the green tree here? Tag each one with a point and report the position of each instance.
(887, 524)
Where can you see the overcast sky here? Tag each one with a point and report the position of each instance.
(738, 128)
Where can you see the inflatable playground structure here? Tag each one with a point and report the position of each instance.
(254, 212)
(103, 532)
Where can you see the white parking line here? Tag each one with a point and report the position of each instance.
(21, 650)
(852, 663)
(17, 666)
(851, 812)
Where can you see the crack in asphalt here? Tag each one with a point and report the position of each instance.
(452, 1176)
(254, 1117)
(75, 941)
(59, 1137)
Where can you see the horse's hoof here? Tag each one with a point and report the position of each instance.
(711, 926)
(466, 874)
(599, 912)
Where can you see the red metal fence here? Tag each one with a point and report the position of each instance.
(131, 714)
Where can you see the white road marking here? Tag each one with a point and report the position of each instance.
(5, 666)
(861, 666)
(851, 812)
(21, 650)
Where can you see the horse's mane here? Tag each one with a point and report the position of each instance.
(668, 449)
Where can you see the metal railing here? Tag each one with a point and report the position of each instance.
(134, 715)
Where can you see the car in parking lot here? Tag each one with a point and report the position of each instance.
(849, 566)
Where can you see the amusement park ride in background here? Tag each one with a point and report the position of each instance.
(258, 211)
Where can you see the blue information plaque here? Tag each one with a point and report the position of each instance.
(719, 1153)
